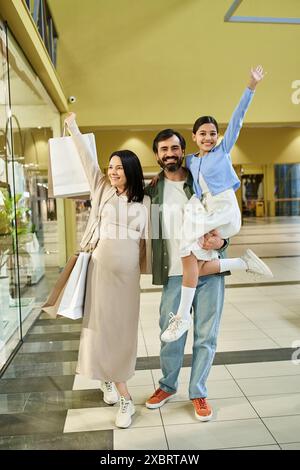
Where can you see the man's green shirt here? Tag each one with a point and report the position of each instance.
(160, 257)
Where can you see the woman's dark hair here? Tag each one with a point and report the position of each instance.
(205, 120)
(166, 134)
(134, 174)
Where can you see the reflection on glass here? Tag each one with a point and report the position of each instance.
(82, 214)
(287, 189)
(252, 194)
(28, 221)
(9, 294)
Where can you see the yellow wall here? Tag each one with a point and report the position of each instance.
(256, 151)
(277, 145)
(162, 62)
(255, 146)
(139, 142)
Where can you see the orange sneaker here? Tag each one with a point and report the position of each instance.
(203, 410)
(158, 399)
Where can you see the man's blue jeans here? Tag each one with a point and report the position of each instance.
(207, 306)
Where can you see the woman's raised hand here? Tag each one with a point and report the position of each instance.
(70, 119)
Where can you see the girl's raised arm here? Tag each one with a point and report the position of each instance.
(236, 121)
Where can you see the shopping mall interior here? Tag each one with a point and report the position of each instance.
(129, 68)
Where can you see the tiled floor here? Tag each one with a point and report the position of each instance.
(254, 386)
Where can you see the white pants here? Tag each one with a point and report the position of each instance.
(220, 212)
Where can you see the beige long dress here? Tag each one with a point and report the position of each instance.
(108, 343)
(121, 233)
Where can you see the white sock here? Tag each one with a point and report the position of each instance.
(232, 264)
(186, 300)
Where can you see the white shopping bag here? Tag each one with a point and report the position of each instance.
(67, 173)
(72, 302)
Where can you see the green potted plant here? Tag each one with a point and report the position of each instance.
(14, 222)
(5, 237)
(14, 226)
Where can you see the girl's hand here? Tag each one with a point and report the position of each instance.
(154, 181)
(257, 75)
(70, 119)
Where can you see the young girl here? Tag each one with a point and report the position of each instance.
(214, 206)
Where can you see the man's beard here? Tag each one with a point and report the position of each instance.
(171, 167)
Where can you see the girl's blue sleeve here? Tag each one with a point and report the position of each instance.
(236, 121)
(188, 161)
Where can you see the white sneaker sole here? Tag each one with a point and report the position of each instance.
(266, 270)
(203, 418)
(108, 402)
(154, 406)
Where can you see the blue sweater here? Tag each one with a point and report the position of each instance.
(216, 167)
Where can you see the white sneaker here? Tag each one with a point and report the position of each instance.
(177, 327)
(256, 265)
(110, 393)
(126, 410)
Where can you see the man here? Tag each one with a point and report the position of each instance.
(172, 190)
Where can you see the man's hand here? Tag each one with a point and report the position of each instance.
(212, 241)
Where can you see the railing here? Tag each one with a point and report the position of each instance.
(41, 14)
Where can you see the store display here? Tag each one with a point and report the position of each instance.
(16, 169)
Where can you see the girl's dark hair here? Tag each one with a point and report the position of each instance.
(205, 120)
(166, 134)
(134, 174)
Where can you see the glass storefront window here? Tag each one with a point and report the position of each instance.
(28, 218)
(10, 332)
(287, 189)
(252, 192)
